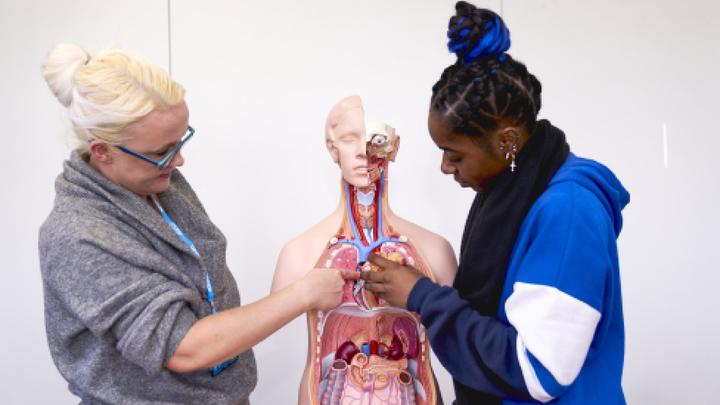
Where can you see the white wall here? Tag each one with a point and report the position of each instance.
(261, 77)
(34, 142)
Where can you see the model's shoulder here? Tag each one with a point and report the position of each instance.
(416, 232)
(434, 248)
(316, 236)
(301, 253)
(296, 246)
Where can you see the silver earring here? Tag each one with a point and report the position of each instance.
(513, 166)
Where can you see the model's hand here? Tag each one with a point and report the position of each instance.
(322, 288)
(393, 282)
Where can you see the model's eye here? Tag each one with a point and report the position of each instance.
(349, 137)
(378, 139)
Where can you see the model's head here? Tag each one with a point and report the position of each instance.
(485, 105)
(121, 106)
(361, 149)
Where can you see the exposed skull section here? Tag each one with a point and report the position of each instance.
(381, 146)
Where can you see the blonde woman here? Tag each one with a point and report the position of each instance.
(140, 306)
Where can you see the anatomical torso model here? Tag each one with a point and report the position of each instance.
(365, 351)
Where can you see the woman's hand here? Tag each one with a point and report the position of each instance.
(393, 282)
(218, 337)
(323, 288)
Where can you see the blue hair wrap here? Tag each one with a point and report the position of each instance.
(494, 41)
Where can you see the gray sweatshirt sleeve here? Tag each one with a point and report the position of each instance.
(115, 285)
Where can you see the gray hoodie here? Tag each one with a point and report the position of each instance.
(121, 290)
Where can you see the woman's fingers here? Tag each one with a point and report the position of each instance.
(373, 276)
(381, 262)
(376, 288)
(349, 274)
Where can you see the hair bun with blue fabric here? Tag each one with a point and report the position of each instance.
(477, 33)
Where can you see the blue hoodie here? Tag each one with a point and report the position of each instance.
(558, 336)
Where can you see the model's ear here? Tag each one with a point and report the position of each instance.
(334, 153)
(395, 149)
(100, 152)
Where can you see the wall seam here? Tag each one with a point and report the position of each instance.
(169, 38)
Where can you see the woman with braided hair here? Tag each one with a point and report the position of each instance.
(535, 312)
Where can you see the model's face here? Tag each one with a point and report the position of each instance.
(362, 150)
(471, 163)
(153, 136)
(349, 149)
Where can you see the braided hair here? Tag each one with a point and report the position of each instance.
(485, 88)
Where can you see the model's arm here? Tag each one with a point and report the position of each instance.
(442, 262)
(435, 250)
(216, 338)
(291, 265)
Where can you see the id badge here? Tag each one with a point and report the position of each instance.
(221, 367)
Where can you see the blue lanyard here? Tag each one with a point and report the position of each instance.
(191, 245)
(208, 285)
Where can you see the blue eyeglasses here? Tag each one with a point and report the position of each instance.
(165, 160)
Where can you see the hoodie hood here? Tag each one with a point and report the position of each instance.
(600, 181)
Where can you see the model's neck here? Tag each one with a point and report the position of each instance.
(367, 207)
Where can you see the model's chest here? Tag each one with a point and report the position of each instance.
(344, 254)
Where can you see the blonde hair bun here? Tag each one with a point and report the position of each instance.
(59, 70)
(104, 95)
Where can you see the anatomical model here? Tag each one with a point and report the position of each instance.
(365, 351)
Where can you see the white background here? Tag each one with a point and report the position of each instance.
(262, 75)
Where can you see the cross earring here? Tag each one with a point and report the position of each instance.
(508, 155)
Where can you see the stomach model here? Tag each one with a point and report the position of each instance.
(365, 351)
